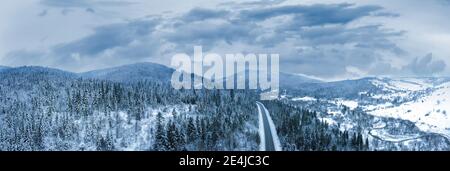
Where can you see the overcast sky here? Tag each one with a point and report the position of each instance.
(337, 39)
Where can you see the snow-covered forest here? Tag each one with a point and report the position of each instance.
(42, 109)
(134, 108)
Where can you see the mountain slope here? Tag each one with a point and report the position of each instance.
(3, 67)
(430, 112)
(132, 73)
(424, 102)
(292, 81)
(339, 89)
(27, 76)
(286, 80)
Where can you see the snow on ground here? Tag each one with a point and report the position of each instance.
(379, 125)
(385, 86)
(345, 126)
(385, 136)
(269, 95)
(334, 112)
(408, 85)
(329, 121)
(144, 126)
(349, 103)
(378, 106)
(262, 145)
(306, 98)
(430, 113)
(394, 95)
(401, 84)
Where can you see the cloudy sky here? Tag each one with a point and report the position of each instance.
(328, 39)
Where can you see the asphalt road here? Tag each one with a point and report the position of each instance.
(270, 146)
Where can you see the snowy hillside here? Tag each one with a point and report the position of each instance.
(28, 72)
(286, 80)
(339, 89)
(429, 112)
(132, 73)
(111, 109)
(394, 113)
(27, 78)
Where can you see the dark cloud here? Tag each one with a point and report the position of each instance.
(68, 6)
(386, 14)
(319, 14)
(107, 37)
(371, 36)
(83, 3)
(318, 40)
(443, 2)
(426, 66)
(257, 3)
(113, 44)
(43, 13)
(90, 10)
(209, 33)
(65, 3)
(198, 14)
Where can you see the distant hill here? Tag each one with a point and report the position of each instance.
(286, 80)
(293, 81)
(28, 76)
(3, 67)
(132, 73)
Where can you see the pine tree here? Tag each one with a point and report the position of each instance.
(171, 135)
(367, 144)
(160, 138)
(191, 131)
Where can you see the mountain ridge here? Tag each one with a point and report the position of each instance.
(132, 72)
(158, 72)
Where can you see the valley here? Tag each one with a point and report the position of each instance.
(399, 111)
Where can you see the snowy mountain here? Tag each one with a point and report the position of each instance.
(133, 73)
(30, 71)
(430, 111)
(286, 80)
(53, 109)
(375, 88)
(339, 89)
(29, 76)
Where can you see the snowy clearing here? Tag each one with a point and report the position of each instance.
(306, 99)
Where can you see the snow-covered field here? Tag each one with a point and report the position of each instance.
(393, 113)
(351, 104)
(306, 98)
(429, 113)
(385, 136)
(403, 84)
